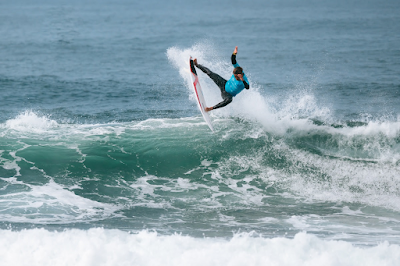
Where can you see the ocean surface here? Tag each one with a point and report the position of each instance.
(105, 158)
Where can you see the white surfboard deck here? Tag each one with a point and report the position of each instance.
(201, 103)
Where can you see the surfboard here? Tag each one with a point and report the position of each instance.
(201, 103)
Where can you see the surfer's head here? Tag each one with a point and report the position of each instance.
(237, 71)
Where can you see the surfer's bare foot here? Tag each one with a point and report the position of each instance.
(208, 109)
(195, 61)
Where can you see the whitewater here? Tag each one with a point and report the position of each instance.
(113, 247)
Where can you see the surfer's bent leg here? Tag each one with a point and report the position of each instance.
(227, 99)
(220, 81)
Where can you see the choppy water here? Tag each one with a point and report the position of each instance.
(102, 146)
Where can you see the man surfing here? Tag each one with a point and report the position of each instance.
(229, 88)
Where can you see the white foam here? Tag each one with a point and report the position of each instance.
(29, 121)
(146, 193)
(299, 222)
(59, 205)
(113, 247)
(376, 184)
(311, 177)
(32, 125)
(165, 123)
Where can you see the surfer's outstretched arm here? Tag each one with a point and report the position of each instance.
(233, 57)
(236, 65)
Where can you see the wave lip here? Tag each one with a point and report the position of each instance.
(28, 121)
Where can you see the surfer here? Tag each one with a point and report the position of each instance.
(229, 88)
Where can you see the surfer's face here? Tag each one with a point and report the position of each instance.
(237, 76)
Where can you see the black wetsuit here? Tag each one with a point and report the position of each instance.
(221, 82)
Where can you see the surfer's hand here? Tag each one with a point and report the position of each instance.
(207, 109)
(235, 51)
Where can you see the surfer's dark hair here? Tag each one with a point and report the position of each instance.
(238, 70)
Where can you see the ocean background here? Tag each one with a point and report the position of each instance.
(106, 160)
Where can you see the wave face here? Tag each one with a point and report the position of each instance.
(174, 175)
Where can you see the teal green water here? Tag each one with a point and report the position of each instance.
(175, 175)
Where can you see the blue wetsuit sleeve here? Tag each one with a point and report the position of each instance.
(233, 59)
